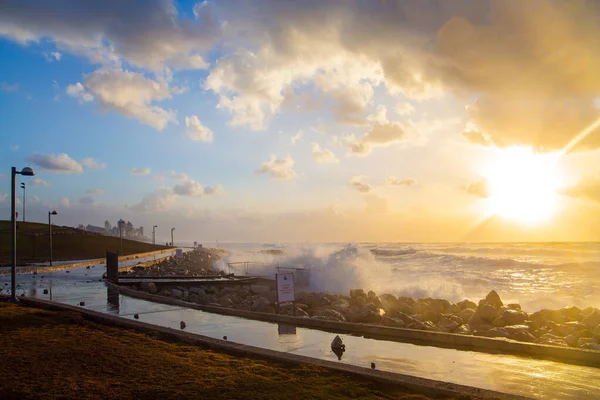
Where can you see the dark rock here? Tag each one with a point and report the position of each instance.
(393, 322)
(433, 316)
(453, 309)
(423, 326)
(544, 316)
(354, 293)
(592, 320)
(438, 305)
(340, 304)
(466, 314)
(177, 293)
(494, 332)
(484, 314)
(573, 339)
(225, 301)
(466, 304)
(447, 325)
(493, 299)
(571, 313)
(337, 343)
(463, 330)
(300, 312)
(358, 302)
(552, 340)
(512, 317)
(520, 333)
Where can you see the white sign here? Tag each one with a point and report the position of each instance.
(179, 253)
(285, 287)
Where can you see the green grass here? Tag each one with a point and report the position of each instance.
(67, 244)
(60, 355)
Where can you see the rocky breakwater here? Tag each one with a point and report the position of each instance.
(198, 262)
(571, 326)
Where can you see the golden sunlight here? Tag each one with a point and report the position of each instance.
(523, 185)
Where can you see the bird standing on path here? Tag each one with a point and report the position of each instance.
(372, 365)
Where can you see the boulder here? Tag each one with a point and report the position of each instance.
(433, 316)
(596, 332)
(300, 312)
(340, 304)
(520, 333)
(513, 317)
(151, 288)
(573, 339)
(453, 309)
(466, 313)
(544, 316)
(302, 306)
(438, 305)
(484, 314)
(552, 340)
(225, 301)
(178, 294)
(463, 330)
(592, 320)
(494, 332)
(571, 313)
(260, 289)
(407, 319)
(493, 299)
(198, 291)
(513, 306)
(331, 315)
(447, 325)
(466, 304)
(358, 302)
(354, 293)
(423, 326)
(365, 316)
(393, 322)
(260, 304)
(419, 308)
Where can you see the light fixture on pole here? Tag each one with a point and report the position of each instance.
(50, 214)
(172, 230)
(23, 187)
(154, 234)
(13, 217)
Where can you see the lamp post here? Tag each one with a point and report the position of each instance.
(13, 219)
(172, 229)
(23, 187)
(50, 214)
(121, 224)
(154, 234)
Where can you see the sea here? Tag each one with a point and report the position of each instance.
(535, 275)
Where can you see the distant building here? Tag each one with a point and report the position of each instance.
(96, 229)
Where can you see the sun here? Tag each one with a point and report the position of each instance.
(522, 185)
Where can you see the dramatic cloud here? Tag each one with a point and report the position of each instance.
(159, 200)
(358, 184)
(5, 87)
(588, 188)
(140, 171)
(323, 155)
(196, 131)
(393, 181)
(90, 163)
(149, 34)
(39, 182)
(477, 138)
(130, 94)
(78, 91)
(56, 163)
(278, 168)
(95, 191)
(479, 188)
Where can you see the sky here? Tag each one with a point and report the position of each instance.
(306, 121)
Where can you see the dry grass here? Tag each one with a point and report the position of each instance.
(59, 355)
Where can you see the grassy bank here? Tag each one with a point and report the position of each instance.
(67, 244)
(47, 354)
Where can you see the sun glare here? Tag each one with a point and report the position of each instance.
(523, 185)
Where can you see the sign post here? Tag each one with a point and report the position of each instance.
(285, 289)
(179, 253)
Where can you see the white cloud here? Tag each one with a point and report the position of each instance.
(278, 168)
(196, 131)
(130, 94)
(90, 163)
(56, 163)
(404, 108)
(141, 171)
(39, 182)
(95, 191)
(393, 181)
(159, 200)
(296, 137)
(78, 91)
(86, 200)
(382, 133)
(14, 148)
(588, 187)
(357, 183)
(192, 188)
(53, 56)
(65, 202)
(323, 155)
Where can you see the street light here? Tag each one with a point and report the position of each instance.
(50, 214)
(172, 229)
(121, 224)
(23, 187)
(13, 200)
(154, 234)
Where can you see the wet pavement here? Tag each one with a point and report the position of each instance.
(524, 376)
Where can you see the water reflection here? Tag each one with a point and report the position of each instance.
(283, 329)
(112, 298)
(338, 351)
